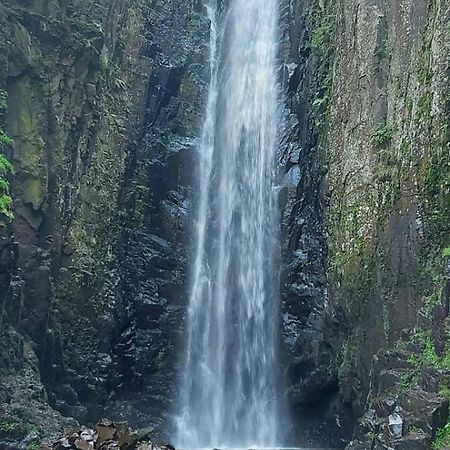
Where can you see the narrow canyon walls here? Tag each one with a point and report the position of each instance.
(105, 103)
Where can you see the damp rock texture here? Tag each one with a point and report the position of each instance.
(103, 103)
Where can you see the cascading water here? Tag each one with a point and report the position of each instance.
(229, 394)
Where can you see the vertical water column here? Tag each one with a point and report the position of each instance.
(229, 394)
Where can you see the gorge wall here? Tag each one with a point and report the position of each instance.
(104, 102)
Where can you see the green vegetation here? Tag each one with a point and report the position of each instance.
(428, 356)
(86, 28)
(322, 22)
(380, 53)
(433, 177)
(406, 381)
(7, 426)
(424, 107)
(21, 429)
(415, 429)
(5, 198)
(442, 439)
(444, 388)
(322, 36)
(437, 196)
(382, 135)
(5, 139)
(6, 167)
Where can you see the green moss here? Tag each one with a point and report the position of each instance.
(21, 429)
(428, 357)
(424, 73)
(86, 28)
(33, 192)
(406, 381)
(424, 107)
(416, 430)
(433, 176)
(436, 193)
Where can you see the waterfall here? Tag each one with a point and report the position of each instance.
(229, 393)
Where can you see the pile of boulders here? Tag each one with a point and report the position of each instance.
(407, 406)
(106, 435)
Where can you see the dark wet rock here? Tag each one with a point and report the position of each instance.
(109, 96)
(414, 441)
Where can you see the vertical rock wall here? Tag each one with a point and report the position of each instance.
(364, 286)
(311, 386)
(104, 102)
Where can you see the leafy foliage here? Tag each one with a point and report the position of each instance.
(2, 99)
(5, 139)
(6, 167)
(322, 23)
(382, 135)
(428, 356)
(442, 439)
(444, 387)
(5, 199)
(7, 426)
(322, 36)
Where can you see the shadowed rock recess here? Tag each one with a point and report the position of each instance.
(104, 101)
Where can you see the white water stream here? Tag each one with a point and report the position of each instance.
(229, 395)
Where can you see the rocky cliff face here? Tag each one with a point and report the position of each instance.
(312, 387)
(388, 159)
(378, 77)
(104, 105)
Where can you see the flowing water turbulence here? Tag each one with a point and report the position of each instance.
(229, 394)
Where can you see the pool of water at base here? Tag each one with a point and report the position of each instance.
(262, 448)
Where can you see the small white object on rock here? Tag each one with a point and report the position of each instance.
(395, 423)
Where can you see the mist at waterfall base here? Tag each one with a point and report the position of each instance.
(229, 395)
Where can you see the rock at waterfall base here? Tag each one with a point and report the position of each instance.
(106, 435)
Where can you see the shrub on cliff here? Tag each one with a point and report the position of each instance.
(5, 198)
(6, 168)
